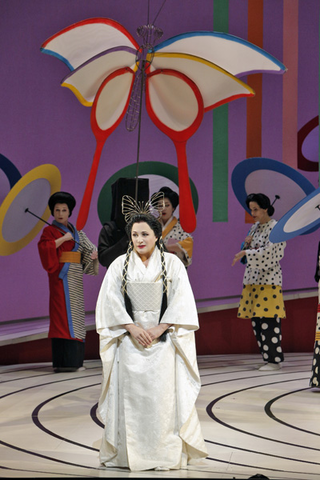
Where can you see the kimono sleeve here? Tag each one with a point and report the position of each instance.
(265, 257)
(90, 267)
(48, 251)
(111, 313)
(186, 246)
(317, 274)
(181, 310)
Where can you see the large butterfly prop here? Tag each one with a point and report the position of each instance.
(184, 77)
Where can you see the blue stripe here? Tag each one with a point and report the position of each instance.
(59, 57)
(226, 36)
(64, 277)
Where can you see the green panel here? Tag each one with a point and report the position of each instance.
(220, 165)
(221, 15)
(220, 131)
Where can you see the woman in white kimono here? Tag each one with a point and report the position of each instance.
(146, 318)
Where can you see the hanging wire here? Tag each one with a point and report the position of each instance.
(144, 57)
(154, 21)
(139, 135)
(150, 35)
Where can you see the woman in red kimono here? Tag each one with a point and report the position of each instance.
(66, 255)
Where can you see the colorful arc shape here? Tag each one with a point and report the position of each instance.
(211, 61)
(31, 191)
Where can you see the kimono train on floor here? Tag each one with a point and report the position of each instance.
(148, 395)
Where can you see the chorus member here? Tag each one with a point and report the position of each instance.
(66, 254)
(262, 297)
(176, 240)
(315, 375)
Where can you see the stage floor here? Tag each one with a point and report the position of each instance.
(253, 422)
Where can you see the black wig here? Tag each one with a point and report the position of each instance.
(262, 200)
(62, 197)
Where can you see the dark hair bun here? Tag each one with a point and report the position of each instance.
(171, 195)
(270, 210)
(62, 197)
(262, 200)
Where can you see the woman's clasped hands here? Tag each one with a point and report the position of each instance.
(146, 337)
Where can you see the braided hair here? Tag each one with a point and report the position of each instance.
(156, 227)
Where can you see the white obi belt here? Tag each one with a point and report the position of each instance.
(145, 296)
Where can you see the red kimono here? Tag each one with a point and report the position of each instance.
(65, 271)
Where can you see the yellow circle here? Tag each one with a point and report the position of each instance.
(46, 171)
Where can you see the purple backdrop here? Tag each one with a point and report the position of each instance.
(44, 123)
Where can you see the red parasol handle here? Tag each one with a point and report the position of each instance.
(86, 199)
(179, 138)
(107, 111)
(187, 213)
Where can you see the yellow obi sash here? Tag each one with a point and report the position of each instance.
(70, 257)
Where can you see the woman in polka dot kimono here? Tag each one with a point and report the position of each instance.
(262, 298)
(315, 375)
(176, 240)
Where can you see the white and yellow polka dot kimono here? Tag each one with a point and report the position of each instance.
(315, 375)
(262, 298)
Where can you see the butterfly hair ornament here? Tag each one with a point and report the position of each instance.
(131, 208)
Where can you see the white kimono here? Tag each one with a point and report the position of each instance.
(148, 395)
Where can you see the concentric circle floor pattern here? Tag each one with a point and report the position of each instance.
(254, 423)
